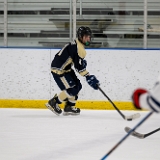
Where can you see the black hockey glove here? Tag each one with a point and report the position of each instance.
(92, 81)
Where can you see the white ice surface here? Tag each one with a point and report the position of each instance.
(38, 134)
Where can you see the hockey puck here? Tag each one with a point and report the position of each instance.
(129, 119)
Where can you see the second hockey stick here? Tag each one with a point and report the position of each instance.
(129, 133)
(139, 135)
(128, 118)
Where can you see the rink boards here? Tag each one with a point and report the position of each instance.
(26, 81)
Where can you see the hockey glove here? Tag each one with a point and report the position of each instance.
(92, 81)
(136, 97)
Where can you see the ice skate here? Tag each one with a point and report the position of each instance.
(53, 106)
(71, 110)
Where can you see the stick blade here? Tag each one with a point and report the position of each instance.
(134, 133)
(132, 117)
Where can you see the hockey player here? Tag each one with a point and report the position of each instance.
(148, 100)
(71, 54)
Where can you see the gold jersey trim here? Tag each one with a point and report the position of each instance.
(59, 72)
(80, 49)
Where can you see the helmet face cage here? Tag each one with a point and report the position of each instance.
(84, 31)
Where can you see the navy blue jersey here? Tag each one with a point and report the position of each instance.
(71, 54)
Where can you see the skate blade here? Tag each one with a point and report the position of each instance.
(50, 108)
(70, 113)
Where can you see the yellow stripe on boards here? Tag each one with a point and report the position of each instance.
(95, 105)
(104, 105)
(8, 103)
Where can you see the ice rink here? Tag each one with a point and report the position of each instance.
(38, 134)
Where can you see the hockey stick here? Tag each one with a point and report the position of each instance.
(128, 118)
(130, 132)
(139, 135)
